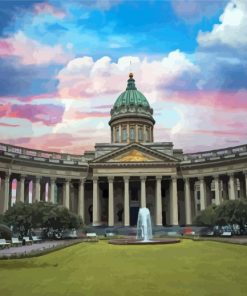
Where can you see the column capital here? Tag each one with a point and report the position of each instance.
(158, 178)
(230, 174)
(201, 178)
(37, 178)
(174, 178)
(245, 173)
(186, 180)
(95, 178)
(22, 177)
(110, 179)
(126, 178)
(7, 175)
(67, 180)
(216, 177)
(53, 179)
(82, 180)
(143, 178)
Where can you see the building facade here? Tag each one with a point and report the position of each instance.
(107, 186)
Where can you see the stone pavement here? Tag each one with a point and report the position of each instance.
(34, 248)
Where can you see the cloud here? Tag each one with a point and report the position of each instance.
(232, 28)
(47, 114)
(8, 124)
(26, 80)
(57, 142)
(46, 8)
(84, 78)
(224, 100)
(32, 52)
(193, 11)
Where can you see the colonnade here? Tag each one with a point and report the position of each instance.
(226, 186)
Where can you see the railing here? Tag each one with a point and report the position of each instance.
(65, 158)
(41, 155)
(224, 153)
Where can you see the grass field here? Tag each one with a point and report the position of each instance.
(188, 268)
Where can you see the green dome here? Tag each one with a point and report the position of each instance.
(131, 96)
(131, 103)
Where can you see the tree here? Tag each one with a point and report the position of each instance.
(232, 212)
(23, 217)
(206, 217)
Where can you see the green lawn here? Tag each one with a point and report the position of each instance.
(188, 268)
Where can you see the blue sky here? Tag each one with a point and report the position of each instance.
(189, 59)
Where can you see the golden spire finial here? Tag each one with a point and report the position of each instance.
(131, 75)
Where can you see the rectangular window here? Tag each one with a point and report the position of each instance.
(117, 135)
(124, 134)
(147, 134)
(140, 134)
(132, 134)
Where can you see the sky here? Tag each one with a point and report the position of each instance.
(63, 64)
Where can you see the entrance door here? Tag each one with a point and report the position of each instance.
(133, 215)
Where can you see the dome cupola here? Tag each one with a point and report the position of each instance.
(131, 116)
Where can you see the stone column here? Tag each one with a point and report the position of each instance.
(217, 190)
(120, 133)
(52, 190)
(245, 177)
(22, 184)
(128, 132)
(143, 191)
(110, 202)
(232, 184)
(95, 202)
(202, 194)
(66, 198)
(174, 201)
(158, 202)
(4, 199)
(81, 200)
(37, 189)
(126, 202)
(188, 218)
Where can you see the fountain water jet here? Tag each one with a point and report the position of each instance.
(144, 225)
(144, 233)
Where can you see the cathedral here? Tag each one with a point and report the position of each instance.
(108, 185)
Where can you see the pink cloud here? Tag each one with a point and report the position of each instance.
(84, 78)
(47, 114)
(5, 48)
(32, 52)
(62, 142)
(44, 96)
(46, 8)
(75, 114)
(9, 125)
(216, 99)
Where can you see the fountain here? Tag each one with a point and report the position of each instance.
(144, 234)
(144, 225)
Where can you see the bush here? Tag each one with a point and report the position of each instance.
(230, 212)
(5, 232)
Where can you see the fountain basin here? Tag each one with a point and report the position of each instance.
(154, 241)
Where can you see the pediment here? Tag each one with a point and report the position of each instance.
(135, 153)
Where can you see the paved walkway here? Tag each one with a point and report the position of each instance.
(35, 248)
